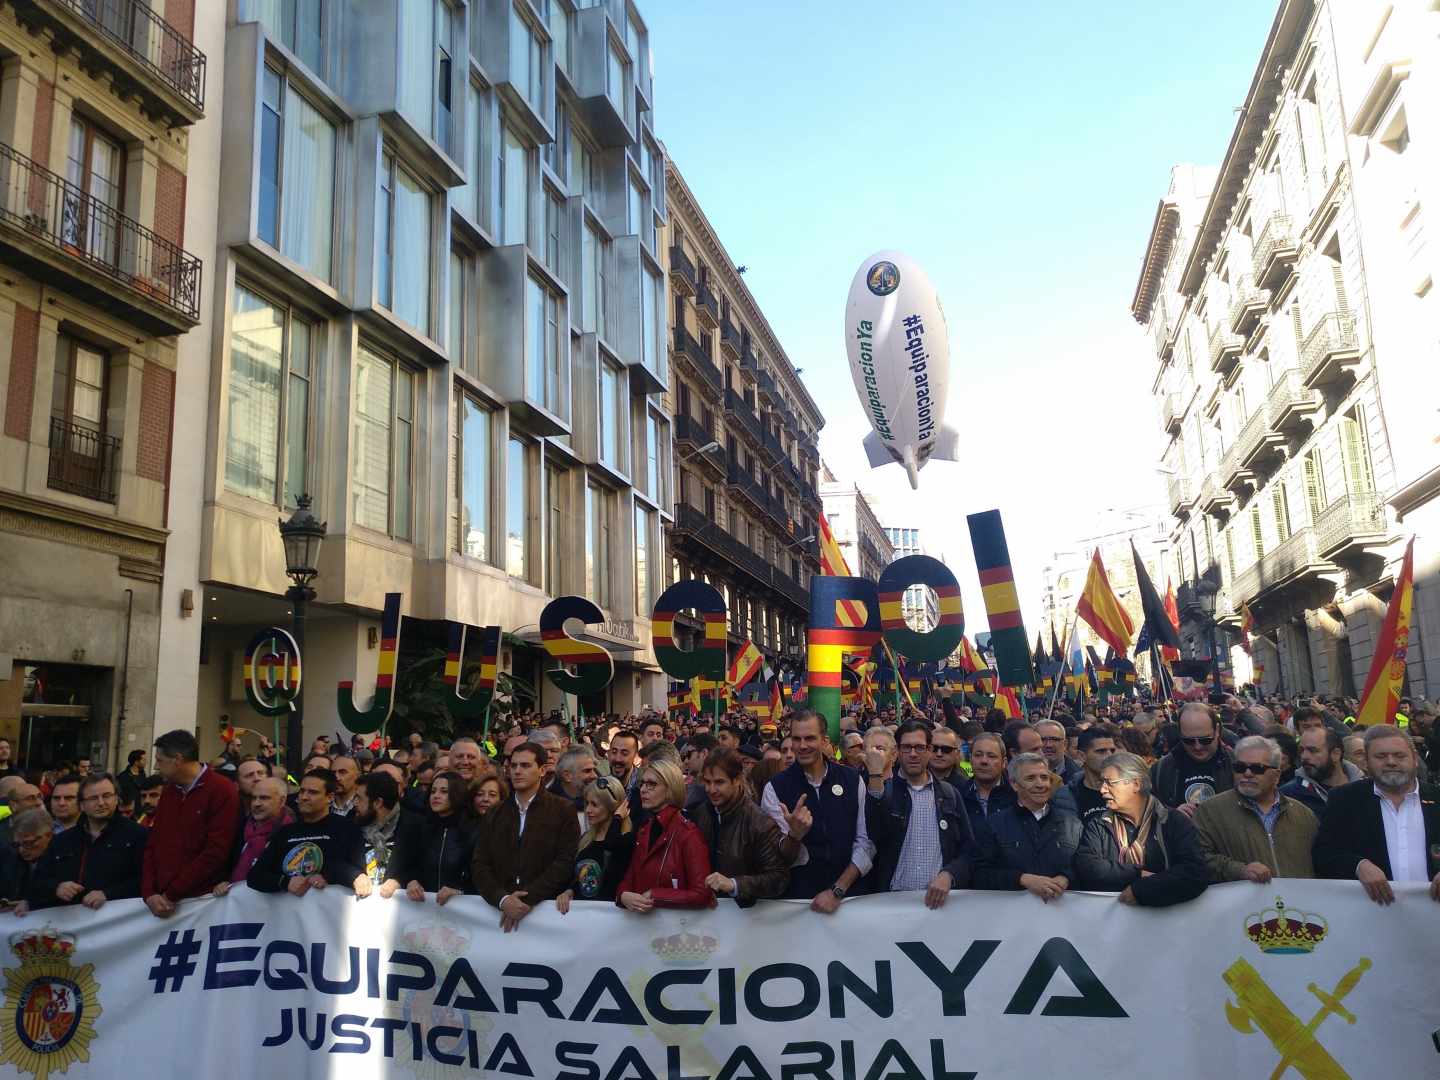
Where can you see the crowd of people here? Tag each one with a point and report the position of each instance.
(1150, 801)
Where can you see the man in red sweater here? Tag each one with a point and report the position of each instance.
(194, 827)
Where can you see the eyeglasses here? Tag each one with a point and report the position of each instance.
(913, 748)
(1254, 768)
(1104, 783)
(941, 748)
(1052, 739)
(1198, 740)
(648, 783)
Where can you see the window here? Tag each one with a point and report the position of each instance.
(594, 260)
(383, 447)
(82, 460)
(652, 350)
(267, 437)
(403, 245)
(95, 166)
(444, 127)
(554, 230)
(1280, 503)
(1314, 485)
(514, 189)
(426, 69)
(652, 456)
(1355, 452)
(527, 60)
(542, 346)
(297, 176)
(632, 42)
(611, 416)
(642, 560)
(1257, 536)
(472, 481)
(298, 24)
(482, 190)
(558, 21)
(599, 525)
(517, 506)
(554, 529)
(615, 72)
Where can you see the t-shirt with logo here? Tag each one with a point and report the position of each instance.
(332, 847)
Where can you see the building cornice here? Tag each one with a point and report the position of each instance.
(678, 191)
(1286, 34)
(1157, 256)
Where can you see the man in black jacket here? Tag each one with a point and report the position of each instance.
(320, 849)
(1384, 829)
(985, 792)
(1198, 768)
(1030, 845)
(99, 860)
(922, 833)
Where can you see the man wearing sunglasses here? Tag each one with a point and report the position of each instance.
(1254, 833)
(945, 755)
(1196, 770)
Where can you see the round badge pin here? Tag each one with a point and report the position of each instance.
(837, 790)
(944, 824)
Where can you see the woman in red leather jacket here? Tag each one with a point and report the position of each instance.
(671, 862)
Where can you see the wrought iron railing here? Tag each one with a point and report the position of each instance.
(152, 42)
(82, 460)
(51, 210)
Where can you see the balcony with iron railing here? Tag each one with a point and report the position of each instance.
(1249, 304)
(1350, 522)
(1172, 412)
(1330, 351)
(745, 484)
(1215, 500)
(772, 446)
(1225, 349)
(64, 236)
(1275, 251)
(766, 384)
(682, 270)
(1181, 493)
(143, 55)
(741, 415)
(1289, 406)
(707, 307)
(83, 461)
(1292, 558)
(692, 353)
(731, 339)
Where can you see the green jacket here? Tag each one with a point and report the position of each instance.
(1231, 836)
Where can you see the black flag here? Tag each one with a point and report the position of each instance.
(1157, 622)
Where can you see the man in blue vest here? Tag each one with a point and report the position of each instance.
(819, 806)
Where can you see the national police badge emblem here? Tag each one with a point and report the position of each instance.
(50, 1005)
(883, 278)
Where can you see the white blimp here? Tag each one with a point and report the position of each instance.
(900, 361)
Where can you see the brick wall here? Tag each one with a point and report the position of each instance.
(170, 204)
(181, 15)
(22, 372)
(157, 395)
(44, 119)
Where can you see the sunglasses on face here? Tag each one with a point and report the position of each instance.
(1253, 768)
(1197, 740)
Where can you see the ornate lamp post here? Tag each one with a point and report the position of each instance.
(301, 537)
(1207, 591)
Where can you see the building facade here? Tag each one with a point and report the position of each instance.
(439, 311)
(920, 605)
(863, 541)
(745, 434)
(1286, 297)
(99, 290)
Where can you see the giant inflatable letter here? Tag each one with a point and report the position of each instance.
(478, 703)
(594, 667)
(682, 664)
(272, 672)
(1002, 602)
(374, 718)
(913, 644)
(828, 641)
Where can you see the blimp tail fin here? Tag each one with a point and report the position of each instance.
(876, 452)
(947, 444)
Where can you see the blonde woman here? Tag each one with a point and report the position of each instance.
(606, 846)
(671, 862)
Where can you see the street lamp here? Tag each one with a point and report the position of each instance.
(1207, 591)
(301, 537)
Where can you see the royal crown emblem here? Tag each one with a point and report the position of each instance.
(52, 1004)
(1281, 932)
(685, 949)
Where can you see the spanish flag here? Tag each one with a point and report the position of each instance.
(1008, 703)
(1100, 608)
(849, 613)
(746, 665)
(1247, 623)
(1387, 670)
(1172, 612)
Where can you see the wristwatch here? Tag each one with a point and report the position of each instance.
(838, 892)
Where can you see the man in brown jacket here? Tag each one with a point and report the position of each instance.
(744, 843)
(1252, 832)
(525, 849)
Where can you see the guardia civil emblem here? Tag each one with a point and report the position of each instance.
(883, 278)
(50, 1005)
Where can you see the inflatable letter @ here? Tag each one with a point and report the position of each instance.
(272, 672)
(374, 718)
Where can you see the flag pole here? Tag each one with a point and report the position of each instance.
(1055, 690)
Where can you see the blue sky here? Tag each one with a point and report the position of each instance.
(1017, 151)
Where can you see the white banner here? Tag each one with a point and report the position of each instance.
(1237, 984)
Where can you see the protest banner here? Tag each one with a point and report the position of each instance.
(1245, 981)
